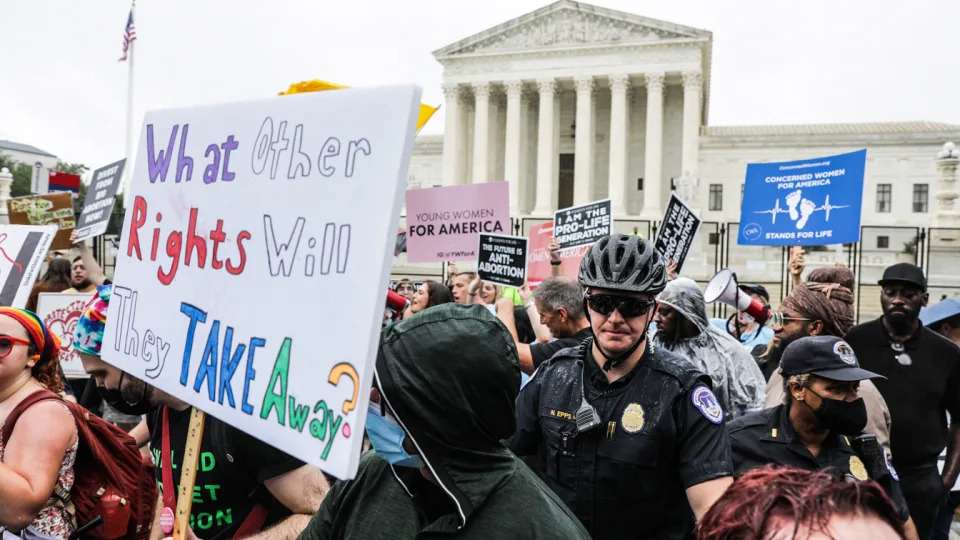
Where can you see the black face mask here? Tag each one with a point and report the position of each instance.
(843, 417)
(115, 399)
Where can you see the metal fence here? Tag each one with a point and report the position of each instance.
(935, 250)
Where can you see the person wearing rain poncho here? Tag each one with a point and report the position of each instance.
(683, 328)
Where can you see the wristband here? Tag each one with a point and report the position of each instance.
(530, 305)
(556, 263)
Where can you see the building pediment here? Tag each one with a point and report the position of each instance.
(567, 24)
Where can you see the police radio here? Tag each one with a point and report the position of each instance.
(586, 417)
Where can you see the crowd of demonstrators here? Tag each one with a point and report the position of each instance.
(944, 318)
(819, 425)
(683, 328)
(56, 279)
(405, 288)
(743, 327)
(37, 460)
(630, 436)
(784, 502)
(258, 486)
(559, 306)
(431, 293)
(922, 370)
(445, 383)
(822, 306)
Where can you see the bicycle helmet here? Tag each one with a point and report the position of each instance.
(623, 262)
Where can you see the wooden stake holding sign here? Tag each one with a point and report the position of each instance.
(188, 474)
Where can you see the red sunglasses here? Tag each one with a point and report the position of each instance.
(7, 342)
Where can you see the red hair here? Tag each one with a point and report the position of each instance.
(763, 498)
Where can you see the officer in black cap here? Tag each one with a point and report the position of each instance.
(631, 435)
(922, 370)
(820, 424)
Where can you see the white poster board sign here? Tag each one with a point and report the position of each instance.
(22, 248)
(252, 273)
(60, 312)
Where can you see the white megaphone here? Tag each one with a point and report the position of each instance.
(723, 288)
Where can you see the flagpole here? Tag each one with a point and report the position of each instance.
(128, 153)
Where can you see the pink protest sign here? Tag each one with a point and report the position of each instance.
(538, 261)
(444, 223)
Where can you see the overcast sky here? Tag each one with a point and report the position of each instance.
(774, 62)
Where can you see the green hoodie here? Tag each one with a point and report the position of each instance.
(450, 376)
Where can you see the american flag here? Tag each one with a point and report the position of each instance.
(129, 34)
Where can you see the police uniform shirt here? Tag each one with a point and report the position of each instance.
(661, 432)
(917, 394)
(767, 437)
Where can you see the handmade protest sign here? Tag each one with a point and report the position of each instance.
(98, 206)
(21, 254)
(48, 209)
(443, 222)
(245, 262)
(583, 225)
(60, 312)
(502, 259)
(677, 231)
(808, 202)
(538, 262)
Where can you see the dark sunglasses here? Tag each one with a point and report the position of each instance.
(7, 342)
(628, 307)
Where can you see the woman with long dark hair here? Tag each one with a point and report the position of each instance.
(56, 279)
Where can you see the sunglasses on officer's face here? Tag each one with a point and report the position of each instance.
(628, 307)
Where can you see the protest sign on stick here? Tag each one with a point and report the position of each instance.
(538, 261)
(22, 249)
(98, 206)
(60, 312)
(263, 196)
(583, 225)
(677, 231)
(502, 259)
(443, 223)
(50, 209)
(803, 203)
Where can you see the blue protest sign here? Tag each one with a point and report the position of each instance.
(803, 203)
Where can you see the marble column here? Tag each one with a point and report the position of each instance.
(653, 153)
(452, 156)
(619, 132)
(546, 156)
(692, 86)
(511, 165)
(481, 133)
(583, 148)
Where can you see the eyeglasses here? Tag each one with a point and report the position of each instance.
(628, 307)
(7, 343)
(779, 319)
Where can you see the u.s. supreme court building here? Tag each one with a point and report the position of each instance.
(572, 103)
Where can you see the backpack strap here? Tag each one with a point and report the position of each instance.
(29, 401)
(253, 522)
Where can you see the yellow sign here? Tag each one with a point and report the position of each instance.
(426, 111)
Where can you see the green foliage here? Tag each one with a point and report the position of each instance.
(71, 168)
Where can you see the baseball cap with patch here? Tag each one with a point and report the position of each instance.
(825, 356)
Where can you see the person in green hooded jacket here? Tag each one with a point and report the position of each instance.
(444, 399)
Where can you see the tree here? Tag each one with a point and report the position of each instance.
(71, 168)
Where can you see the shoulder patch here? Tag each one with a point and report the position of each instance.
(705, 402)
(889, 463)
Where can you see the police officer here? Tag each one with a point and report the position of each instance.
(630, 434)
(820, 424)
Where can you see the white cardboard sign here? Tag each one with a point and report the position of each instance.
(255, 256)
(60, 312)
(22, 248)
